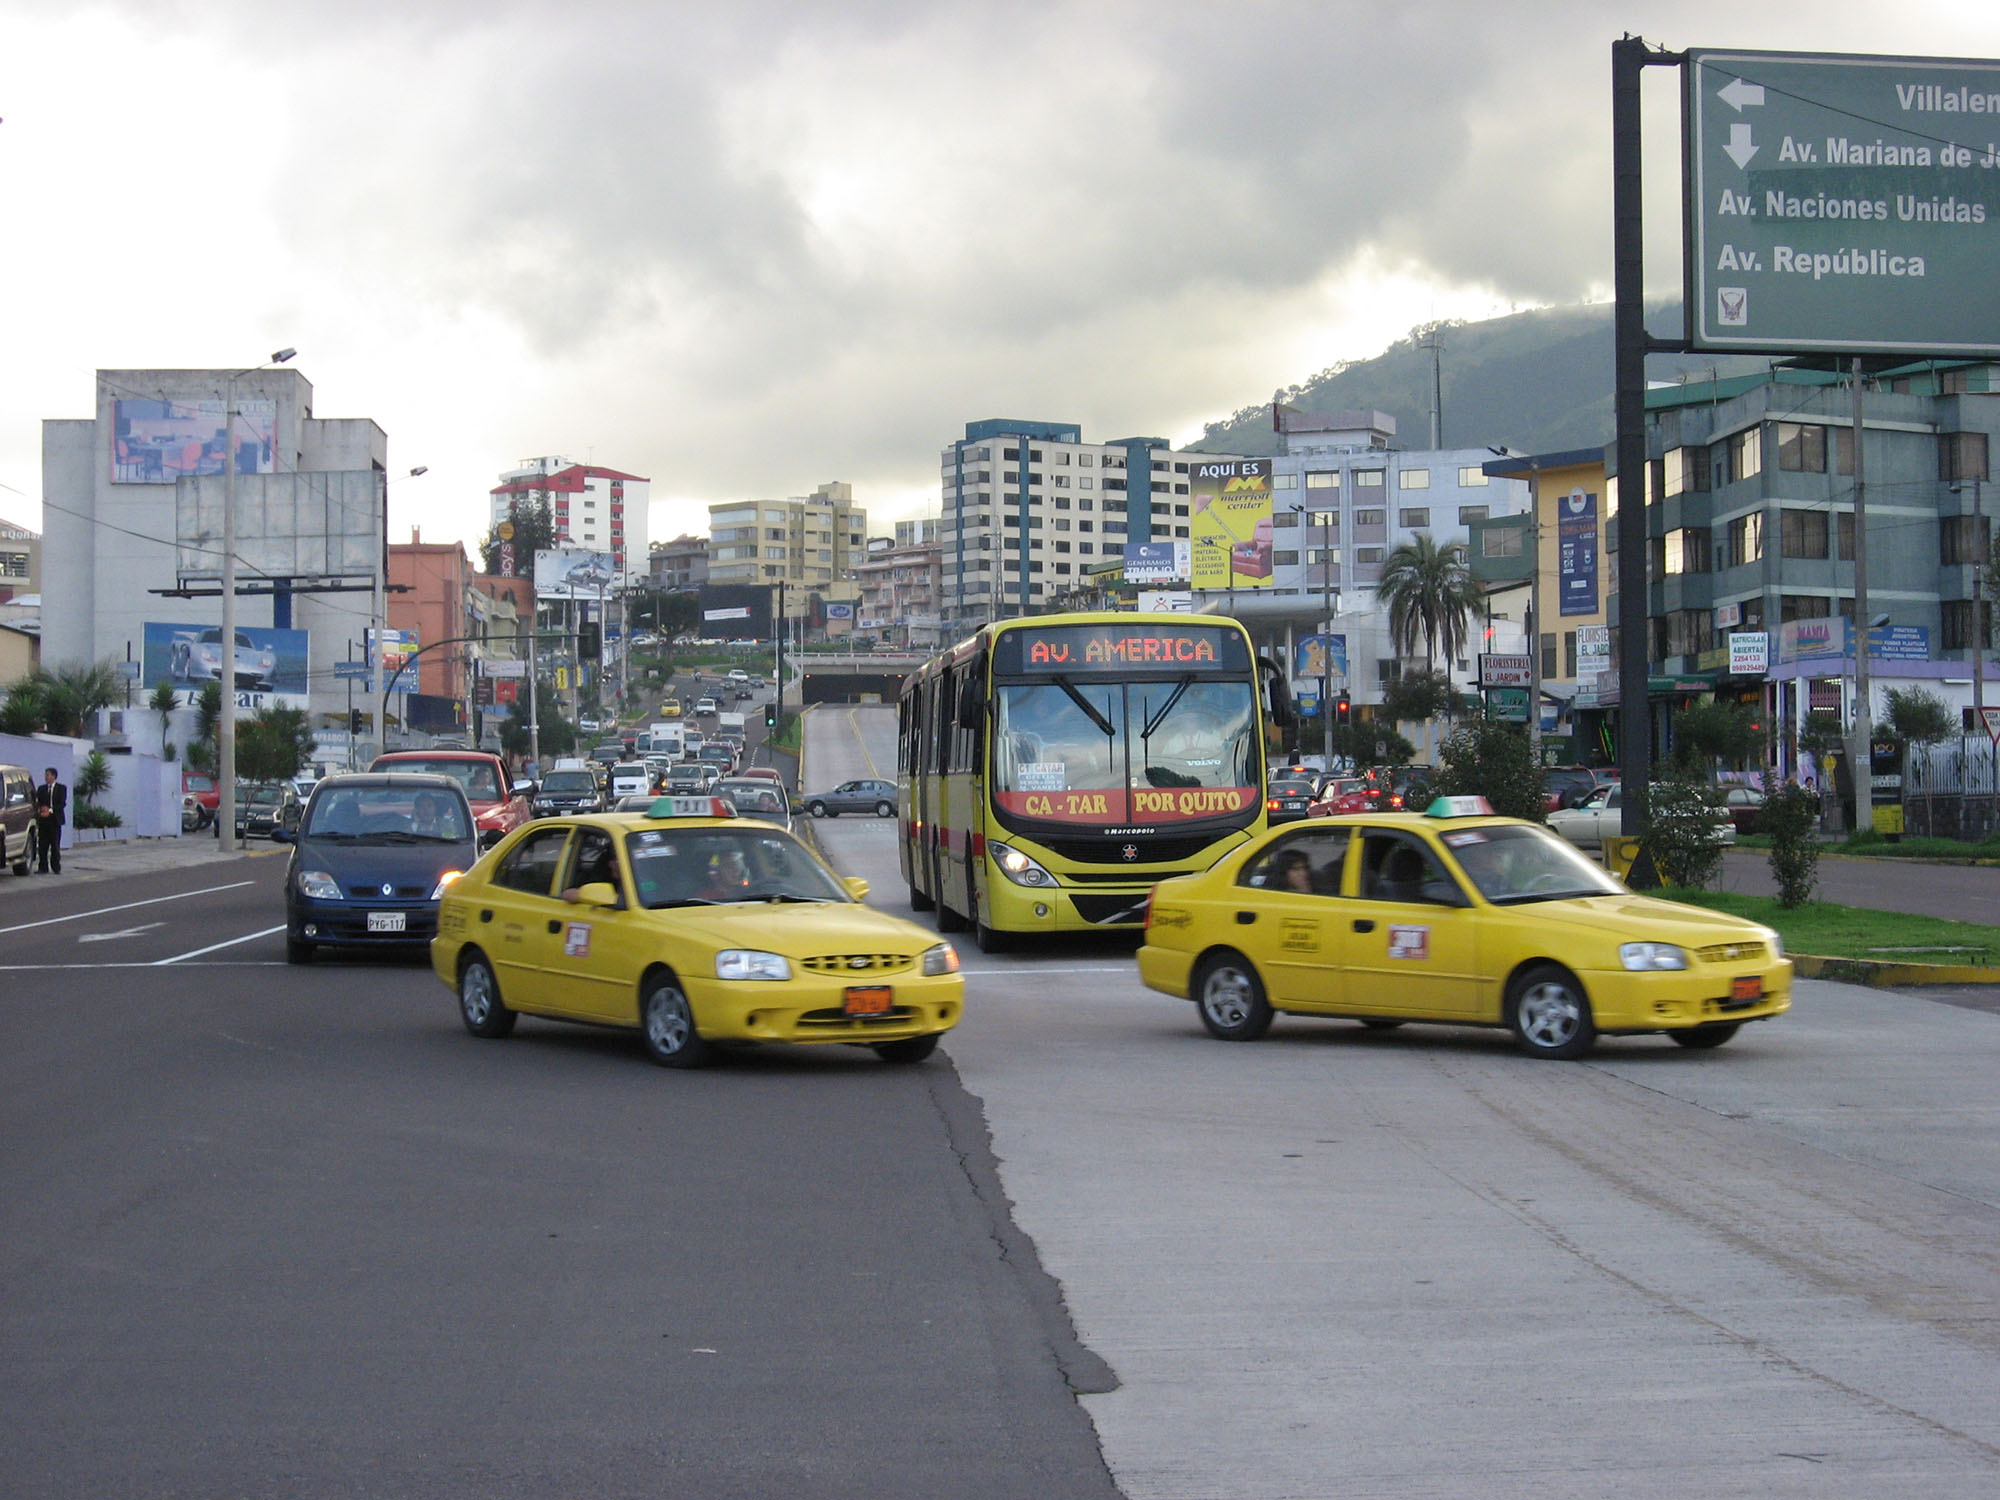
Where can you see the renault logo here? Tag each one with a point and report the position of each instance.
(388, 890)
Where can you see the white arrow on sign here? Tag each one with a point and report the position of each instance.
(108, 937)
(1740, 93)
(1740, 148)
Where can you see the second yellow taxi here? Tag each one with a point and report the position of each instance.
(695, 927)
(1453, 917)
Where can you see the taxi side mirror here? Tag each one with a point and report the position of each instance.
(597, 893)
(856, 887)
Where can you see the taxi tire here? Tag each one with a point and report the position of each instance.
(911, 1049)
(1230, 998)
(479, 1004)
(1701, 1038)
(666, 1025)
(1550, 1015)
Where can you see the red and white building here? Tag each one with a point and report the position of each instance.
(599, 510)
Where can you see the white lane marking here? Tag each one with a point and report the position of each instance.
(248, 937)
(142, 963)
(104, 911)
(112, 937)
(1039, 969)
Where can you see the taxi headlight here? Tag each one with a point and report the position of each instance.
(1016, 866)
(1652, 956)
(317, 885)
(444, 880)
(1777, 941)
(749, 963)
(943, 959)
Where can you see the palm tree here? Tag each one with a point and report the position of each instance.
(164, 701)
(73, 691)
(1429, 591)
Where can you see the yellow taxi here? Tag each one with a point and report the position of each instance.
(671, 709)
(696, 928)
(1453, 916)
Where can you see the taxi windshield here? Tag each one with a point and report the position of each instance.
(722, 866)
(1511, 864)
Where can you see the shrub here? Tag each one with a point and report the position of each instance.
(1494, 760)
(1791, 817)
(1683, 829)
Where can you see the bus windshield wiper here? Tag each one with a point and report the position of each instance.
(1166, 708)
(1087, 706)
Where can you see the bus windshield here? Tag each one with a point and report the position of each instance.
(1126, 753)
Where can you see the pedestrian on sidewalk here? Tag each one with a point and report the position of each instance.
(51, 812)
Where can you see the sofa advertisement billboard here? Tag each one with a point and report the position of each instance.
(1231, 528)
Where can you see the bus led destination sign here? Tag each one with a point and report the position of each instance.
(1088, 647)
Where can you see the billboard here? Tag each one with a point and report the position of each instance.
(1318, 658)
(158, 442)
(1576, 554)
(1157, 562)
(1231, 529)
(398, 646)
(573, 573)
(1832, 638)
(739, 611)
(187, 656)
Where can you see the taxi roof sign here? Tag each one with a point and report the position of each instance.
(1459, 807)
(691, 807)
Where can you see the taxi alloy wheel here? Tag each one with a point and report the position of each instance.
(1550, 1014)
(479, 1003)
(1231, 1000)
(666, 1025)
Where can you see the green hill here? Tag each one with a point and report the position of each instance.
(1538, 382)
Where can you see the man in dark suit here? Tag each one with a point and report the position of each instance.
(51, 811)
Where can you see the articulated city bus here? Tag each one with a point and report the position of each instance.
(1054, 767)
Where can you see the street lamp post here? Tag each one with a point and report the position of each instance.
(225, 732)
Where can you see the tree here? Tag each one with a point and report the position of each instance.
(93, 779)
(273, 744)
(1494, 760)
(70, 693)
(1790, 816)
(1705, 733)
(1417, 697)
(1372, 742)
(21, 714)
(534, 531)
(1920, 716)
(202, 754)
(163, 701)
(1429, 591)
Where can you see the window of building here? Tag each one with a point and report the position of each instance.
(1471, 476)
(1684, 469)
(1062, 569)
(1284, 481)
(1746, 454)
(1958, 539)
(1414, 516)
(1367, 554)
(1685, 550)
(1802, 448)
(1062, 460)
(1180, 531)
(1802, 533)
(1844, 535)
(1746, 539)
(1085, 525)
(1085, 547)
(1370, 517)
(1803, 607)
(1470, 513)
(1961, 455)
(1085, 482)
(1503, 541)
(1062, 481)
(1323, 479)
(1368, 479)
(1062, 546)
(1413, 479)
(1084, 460)
(1322, 556)
(1955, 622)
(1285, 559)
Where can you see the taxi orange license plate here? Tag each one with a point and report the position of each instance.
(1748, 988)
(867, 1000)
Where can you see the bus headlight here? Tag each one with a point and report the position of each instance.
(1017, 867)
(943, 959)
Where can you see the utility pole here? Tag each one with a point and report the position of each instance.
(1861, 731)
(1535, 611)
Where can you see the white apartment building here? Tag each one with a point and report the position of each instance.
(1076, 504)
(597, 509)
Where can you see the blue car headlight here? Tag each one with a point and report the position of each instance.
(317, 885)
(1652, 956)
(750, 963)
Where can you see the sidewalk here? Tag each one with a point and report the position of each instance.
(107, 859)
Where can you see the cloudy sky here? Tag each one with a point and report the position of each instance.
(742, 249)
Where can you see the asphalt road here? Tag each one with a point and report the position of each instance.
(271, 1231)
(1418, 1264)
(1965, 893)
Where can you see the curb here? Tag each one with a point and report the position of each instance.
(1883, 974)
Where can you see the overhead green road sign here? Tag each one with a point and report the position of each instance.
(1843, 204)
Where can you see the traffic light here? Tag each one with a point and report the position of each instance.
(589, 641)
(1340, 708)
(770, 716)
(354, 721)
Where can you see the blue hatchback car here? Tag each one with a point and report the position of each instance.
(370, 860)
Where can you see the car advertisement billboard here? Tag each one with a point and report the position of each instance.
(1231, 528)
(158, 442)
(574, 573)
(187, 656)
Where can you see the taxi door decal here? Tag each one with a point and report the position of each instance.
(1298, 934)
(576, 940)
(1409, 942)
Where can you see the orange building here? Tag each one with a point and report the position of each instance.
(430, 587)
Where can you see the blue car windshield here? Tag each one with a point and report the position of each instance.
(388, 815)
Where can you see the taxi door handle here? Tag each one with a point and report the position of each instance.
(555, 925)
(1245, 918)
(1364, 924)
(486, 915)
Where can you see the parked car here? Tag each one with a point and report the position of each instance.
(1565, 786)
(207, 795)
(1597, 818)
(264, 809)
(498, 805)
(372, 859)
(17, 817)
(1744, 804)
(862, 796)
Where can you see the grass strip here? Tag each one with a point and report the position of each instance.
(1835, 931)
